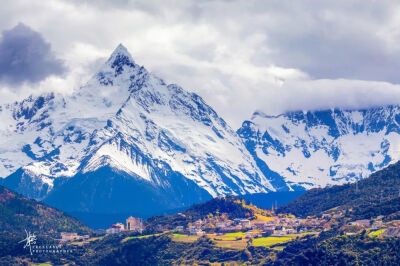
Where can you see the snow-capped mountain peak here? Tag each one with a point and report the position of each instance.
(120, 59)
(120, 50)
(129, 120)
(320, 148)
(126, 134)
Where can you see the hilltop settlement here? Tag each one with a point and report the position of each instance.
(331, 226)
(255, 223)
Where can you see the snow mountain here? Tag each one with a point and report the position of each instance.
(125, 141)
(128, 143)
(322, 148)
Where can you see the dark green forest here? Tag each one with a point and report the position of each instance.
(376, 195)
(18, 213)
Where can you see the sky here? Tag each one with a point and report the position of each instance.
(239, 55)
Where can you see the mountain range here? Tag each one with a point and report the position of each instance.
(124, 142)
(127, 142)
(323, 148)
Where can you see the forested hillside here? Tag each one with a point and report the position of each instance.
(18, 213)
(233, 207)
(375, 195)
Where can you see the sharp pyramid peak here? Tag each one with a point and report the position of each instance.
(120, 51)
(119, 60)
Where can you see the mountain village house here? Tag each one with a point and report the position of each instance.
(132, 224)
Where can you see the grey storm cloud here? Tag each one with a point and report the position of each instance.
(336, 41)
(239, 55)
(26, 57)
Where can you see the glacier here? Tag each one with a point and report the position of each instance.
(324, 147)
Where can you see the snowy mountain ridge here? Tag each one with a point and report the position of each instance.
(130, 120)
(321, 148)
(126, 141)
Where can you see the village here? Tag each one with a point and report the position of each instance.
(266, 229)
(286, 225)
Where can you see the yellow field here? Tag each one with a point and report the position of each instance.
(278, 248)
(230, 240)
(236, 240)
(271, 240)
(377, 232)
(224, 241)
(263, 218)
(184, 238)
(236, 234)
(137, 237)
(228, 236)
(234, 244)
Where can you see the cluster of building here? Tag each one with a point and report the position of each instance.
(133, 224)
(392, 228)
(279, 225)
(269, 226)
(283, 225)
(276, 226)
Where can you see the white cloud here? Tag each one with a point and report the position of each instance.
(328, 93)
(239, 55)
